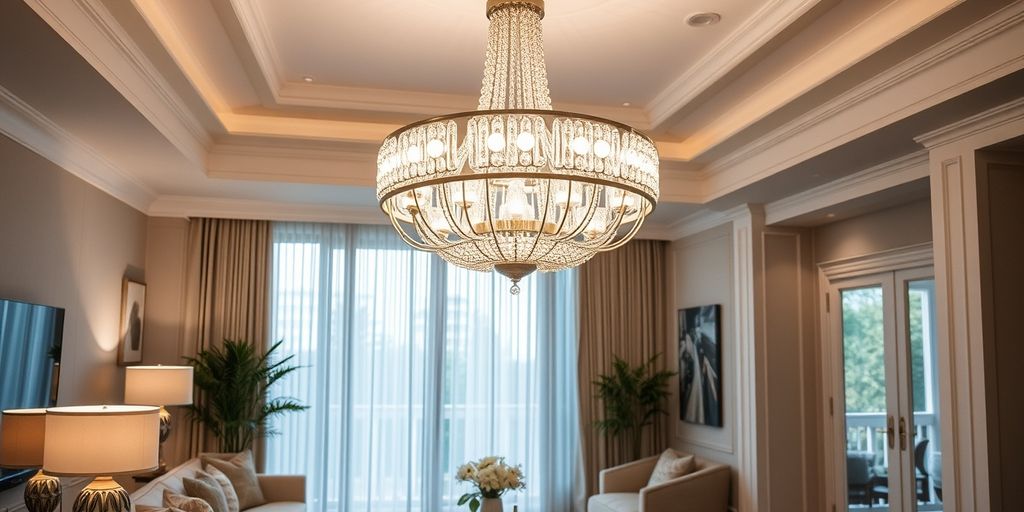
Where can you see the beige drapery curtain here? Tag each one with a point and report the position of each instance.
(623, 301)
(227, 280)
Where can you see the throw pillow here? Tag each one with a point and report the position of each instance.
(225, 485)
(242, 473)
(185, 503)
(671, 465)
(207, 489)
(150, 508)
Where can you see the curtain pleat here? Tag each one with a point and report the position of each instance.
(413, 367)
(622, 306)
(226, 297)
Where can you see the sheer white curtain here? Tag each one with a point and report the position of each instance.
(414, 367)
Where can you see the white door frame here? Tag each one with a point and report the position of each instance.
(910, 257)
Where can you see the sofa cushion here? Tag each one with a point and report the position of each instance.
(207, 489)
(152, 494)
(225, 485)
(280, 506)
(242, 473)
(671, 465)
(614, 502)
(186, 503)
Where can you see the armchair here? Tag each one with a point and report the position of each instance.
(624, 489)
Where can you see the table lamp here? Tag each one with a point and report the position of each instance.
(21, 446)
(101, 441)
(159, 386)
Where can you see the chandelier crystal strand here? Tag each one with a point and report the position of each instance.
(516, 186)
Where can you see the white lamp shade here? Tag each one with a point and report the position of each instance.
(101, 440)
(158, 385)
(21, 438)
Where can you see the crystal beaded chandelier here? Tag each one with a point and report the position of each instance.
(516, 186)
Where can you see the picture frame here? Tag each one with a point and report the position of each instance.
(700, 365)
(133, 314)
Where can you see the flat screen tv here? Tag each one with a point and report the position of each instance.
(30, 339)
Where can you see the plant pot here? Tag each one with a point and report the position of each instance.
(491, 505)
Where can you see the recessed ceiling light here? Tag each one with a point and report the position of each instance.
(626, 104)
(703, 19)
(830, 215)
(307, 79)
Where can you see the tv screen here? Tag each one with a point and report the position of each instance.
(30, 339)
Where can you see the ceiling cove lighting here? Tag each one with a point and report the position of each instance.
(516, 186)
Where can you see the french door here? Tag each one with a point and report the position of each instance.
(885, 404)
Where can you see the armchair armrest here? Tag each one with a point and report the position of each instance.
(706, 490)
(283, 487)
(628, 477)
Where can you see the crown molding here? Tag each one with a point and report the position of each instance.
(302, 165)
(993, 118)
(32, 129)
(254, 28)
(869, 36)
(980, 53)
(93, 32)
(873, 179)
(223, 208)
(760, 28)
(704, 220)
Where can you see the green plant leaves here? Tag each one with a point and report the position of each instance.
(234, 380)
(632, 398)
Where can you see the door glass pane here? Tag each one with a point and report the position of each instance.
(867, 459)
(924, 381)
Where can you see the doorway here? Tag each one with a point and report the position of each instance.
(884, 406)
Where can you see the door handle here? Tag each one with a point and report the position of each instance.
(903, 433)
(891, 433)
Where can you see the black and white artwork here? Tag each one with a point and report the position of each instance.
(133, 310)
(700, 366)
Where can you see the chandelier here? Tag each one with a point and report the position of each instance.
(516, 186)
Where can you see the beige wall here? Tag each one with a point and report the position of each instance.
(791, 362)
(167, 239)
(901, 226)
(67, 244)
(1000, 190)
(700, 270)
(166, 245)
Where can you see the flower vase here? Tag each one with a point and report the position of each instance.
(491, 505)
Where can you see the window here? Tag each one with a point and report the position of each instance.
(413, 367)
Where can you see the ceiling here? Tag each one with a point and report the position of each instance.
(203, 107)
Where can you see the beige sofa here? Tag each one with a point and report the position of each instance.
(284, 493)
(624, 489)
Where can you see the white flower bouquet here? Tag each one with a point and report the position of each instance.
(492, 478)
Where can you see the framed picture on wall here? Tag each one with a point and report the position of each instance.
(700, 365)
(133, 310)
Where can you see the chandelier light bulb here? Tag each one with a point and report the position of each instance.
(435, 148)
(414, 154)
(563, 198)
(525, 141)
(602, 149)
(496, 142)
(464, 194)
(580, 145)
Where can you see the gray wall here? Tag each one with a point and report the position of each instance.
(68, 244)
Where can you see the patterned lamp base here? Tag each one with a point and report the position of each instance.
(42, 493)
(103, 495)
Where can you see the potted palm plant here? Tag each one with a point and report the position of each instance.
(233, 403)
(633, 397)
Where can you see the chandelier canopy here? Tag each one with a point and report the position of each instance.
(516, 186)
